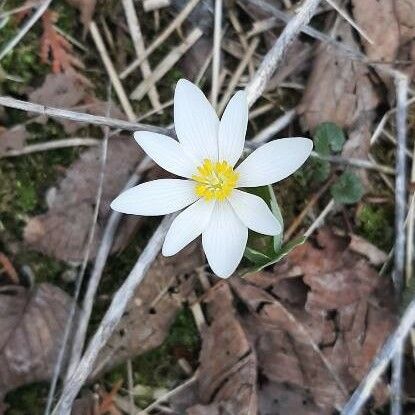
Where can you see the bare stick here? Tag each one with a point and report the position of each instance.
(51, 145)
(175, 23)
(380, 362)
(79, 116)
(320, 219)
(400, 235)
(112, 318)
(339, 47)
(272, 129)
(274, 57)
(166, 64)
(349, 20)
(359, 163)
(80, 277)
(138, 41)
(96, 274)
(237, 75)
(217, 34)
(168, 395)
(26, 27)
(119, 89)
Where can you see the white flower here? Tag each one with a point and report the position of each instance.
(206, 155)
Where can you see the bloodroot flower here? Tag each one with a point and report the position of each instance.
(206, 155)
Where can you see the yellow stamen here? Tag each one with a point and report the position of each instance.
(215, 180)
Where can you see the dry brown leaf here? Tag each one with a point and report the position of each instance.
(54, 44)
(86, 8)
(227, 375)
(339, 89)
(391, 26)
(32, 323)
(62, 232)
(157, 300)
(12, 139)
(297, 340)
(70, 90)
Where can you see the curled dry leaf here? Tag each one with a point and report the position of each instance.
(62, 232)
(12, 139)
(146, 322)
(54, 44)
(391, 26)
(86, 8)
(297, 340)
(70, 90)
(227, 375)
(32, 323)
(339, 89)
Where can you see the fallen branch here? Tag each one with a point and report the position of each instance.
(401, 82)
(274, 57)
(112, 318)
(51, 145)
(79, 116)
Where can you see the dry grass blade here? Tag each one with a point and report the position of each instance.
(166, 64)
(119, 89)
(139, 47)
(53, 145)
(217, 35)
(175, 23)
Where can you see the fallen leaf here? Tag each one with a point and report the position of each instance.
(390, 24)
(148, 317)
(86, 8)
(227, 375)
(8, 268)
(339, 89)
(86, 405)
(62, 232)
(296, 340)
(12, 139)
(32, 323)
(69, 90)
(53, 44)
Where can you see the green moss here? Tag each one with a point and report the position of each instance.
(375, 223)
(31, 396)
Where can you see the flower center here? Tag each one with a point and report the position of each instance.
(215, 180)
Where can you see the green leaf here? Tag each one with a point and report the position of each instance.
(277, 239)
(255, 256)
(321, 170)
(328, 137)
(348, 188)
(268, 244)
(267, 261)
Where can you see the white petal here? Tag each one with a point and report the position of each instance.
(224, 240)
(232, 128)
(166, 152)
(188, 225)
(254, 213)
(274, 161)
(158, 197)
(195, 121)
